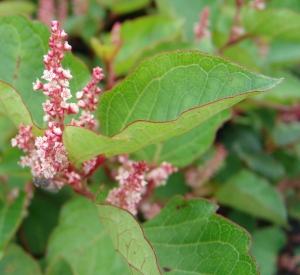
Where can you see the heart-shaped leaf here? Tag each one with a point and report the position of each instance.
(129, 240)
(254, 195)
(189, 238)
(82, 241)
(166, 96)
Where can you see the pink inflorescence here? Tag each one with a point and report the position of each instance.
(132, 186)
(159, 175)
(134, 181)
(87, 100)
(47, 156)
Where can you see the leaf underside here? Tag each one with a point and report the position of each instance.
(166, 96)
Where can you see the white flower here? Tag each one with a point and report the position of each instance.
(48, 75)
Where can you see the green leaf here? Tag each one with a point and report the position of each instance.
(182, 150)
(12, 105)
(23, 61)
(286, 133)
(16, 262)
(189, 12)
(205, 45)
(9, 163)
(267, 243)
(11, 215)
(166, 96)
(124, 6)
(175, 186)
(7, 7)
(245, 53)
(291, 4)
(264, 164)
(83, 242)
(254, 195)
(60, 266)
(189, 238)
(272, 23)
(164, 86)
(10, 131)
(141, 34)
(37, 226)
(129, 240)
(279, 57)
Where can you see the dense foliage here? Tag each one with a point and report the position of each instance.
(179, 151)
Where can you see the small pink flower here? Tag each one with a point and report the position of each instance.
(160, 174)
(37, 85)
(132, 186)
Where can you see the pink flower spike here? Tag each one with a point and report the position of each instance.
(132, 186)
(160, 174)
(63, 34)
(79, 95)
(38, 85)
(73, 108)
(57, 131)
(67, 74)
(66, 46)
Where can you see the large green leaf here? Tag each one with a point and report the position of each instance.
(129, 240)
(189, 238)
(22, 62)
(166, 96)
(272, 23)
(182, 150)
(11, 215)
(16, 261)
(249, 193)
(83, 242)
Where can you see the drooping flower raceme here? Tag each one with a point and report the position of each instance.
(47, 156)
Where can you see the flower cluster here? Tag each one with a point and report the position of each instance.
(159, 175)
(47, 156)
(132, 186)
(87, 100)
(135, 182)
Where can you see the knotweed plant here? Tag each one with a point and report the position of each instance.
(47, 156)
